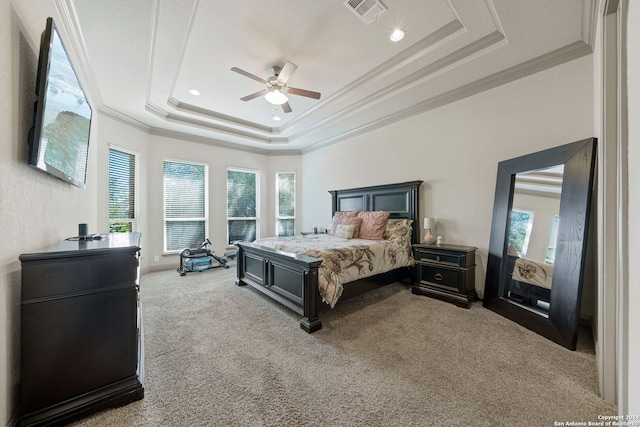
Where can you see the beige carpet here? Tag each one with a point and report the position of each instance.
(222, 355)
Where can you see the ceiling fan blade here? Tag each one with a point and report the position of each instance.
(251, 76)
(304, 92)
(286, 107)
(255, 95)
(286, 72)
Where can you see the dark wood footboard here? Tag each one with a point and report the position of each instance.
(290, 279)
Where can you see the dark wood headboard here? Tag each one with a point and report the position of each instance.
(401, 200)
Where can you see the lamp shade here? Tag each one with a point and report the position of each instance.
(276, 97)
(429, 223)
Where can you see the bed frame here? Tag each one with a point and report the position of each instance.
(292, 279)
(527, 293)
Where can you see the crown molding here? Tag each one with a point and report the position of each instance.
(559, 56)
(183, 136)
(170, 117)
(189, 121)
(213, 115)
(77, 47)
(123, 118)
(589, 21)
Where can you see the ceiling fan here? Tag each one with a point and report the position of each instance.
(277, 88)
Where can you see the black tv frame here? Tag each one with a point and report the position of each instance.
(70, 86)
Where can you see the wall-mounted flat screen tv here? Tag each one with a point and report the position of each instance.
(59, 139)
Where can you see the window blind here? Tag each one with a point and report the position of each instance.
(242, 205)
(184, 205)
(122, 191)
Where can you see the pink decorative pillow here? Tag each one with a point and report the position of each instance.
(373, 224)
(356, 222)
(339, 216)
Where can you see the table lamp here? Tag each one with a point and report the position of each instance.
(429, 227)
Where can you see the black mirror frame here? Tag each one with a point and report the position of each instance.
(578, 158)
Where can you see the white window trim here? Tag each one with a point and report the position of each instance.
(136, 182)
(164, 204)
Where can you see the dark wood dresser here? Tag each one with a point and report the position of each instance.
(446, 272)
(81, 330)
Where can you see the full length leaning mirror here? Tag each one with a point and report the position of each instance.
(538, 243)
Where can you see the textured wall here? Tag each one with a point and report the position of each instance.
(36, 210)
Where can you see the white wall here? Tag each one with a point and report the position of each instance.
(633, 100)
(36, 210)
(455, 151)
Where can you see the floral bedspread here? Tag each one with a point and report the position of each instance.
(344, 260)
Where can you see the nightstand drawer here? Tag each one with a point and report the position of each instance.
(442, 257)
(440, 276)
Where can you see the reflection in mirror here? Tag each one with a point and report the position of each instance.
(532, 233)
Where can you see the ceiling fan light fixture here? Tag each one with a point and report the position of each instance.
(276, 97)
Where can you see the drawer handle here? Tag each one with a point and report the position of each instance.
(438, 276)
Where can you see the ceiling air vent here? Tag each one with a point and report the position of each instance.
(367, 10)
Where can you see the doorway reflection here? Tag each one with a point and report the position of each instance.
(532, 234)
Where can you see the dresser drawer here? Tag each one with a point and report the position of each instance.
(446, 278)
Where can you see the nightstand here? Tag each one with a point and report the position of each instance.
(446, 272)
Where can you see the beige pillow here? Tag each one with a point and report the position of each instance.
(345, 231)
(373, 224)
(397, 228)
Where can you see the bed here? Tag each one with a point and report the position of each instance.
(283, 269)
(530, 281)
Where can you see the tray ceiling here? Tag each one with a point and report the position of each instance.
(139, 60)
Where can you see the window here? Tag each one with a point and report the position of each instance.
(185, 205)
(553, 239)
(520, 230)
(122, 191)
(285, 203)
(242, 202)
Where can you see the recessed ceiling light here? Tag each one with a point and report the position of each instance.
(396, 35)
(194, 92)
